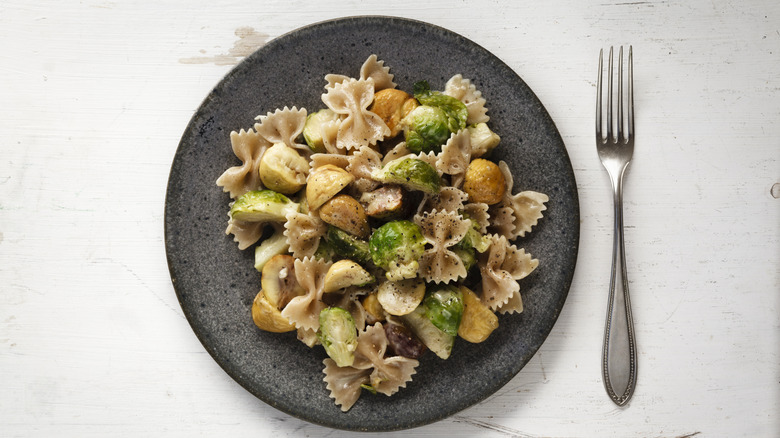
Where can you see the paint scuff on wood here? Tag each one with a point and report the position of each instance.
(248, 41)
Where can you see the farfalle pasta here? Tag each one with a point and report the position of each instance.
(387, 232)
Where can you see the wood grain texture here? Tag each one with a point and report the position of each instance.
(96, 94)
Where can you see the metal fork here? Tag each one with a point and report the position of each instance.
(619, 359)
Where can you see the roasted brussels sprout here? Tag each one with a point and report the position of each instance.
(426, 129)
(312, 129)
(274, 245)
(455, 110)
(396, 247)
(403, 342)
(347, 246)
(338, 334)
(345, 273)
(412, 173)
(484, 182)
(346, 213)
(483, 140)
(283, 169)
(436, 340)
(444, 307)
(262, 206)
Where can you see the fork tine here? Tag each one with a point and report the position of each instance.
(630, 93)
(620, 131)
(598, 95)
(609, 97)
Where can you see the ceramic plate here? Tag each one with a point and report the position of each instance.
(216, 283)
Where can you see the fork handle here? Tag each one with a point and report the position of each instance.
(619, 359)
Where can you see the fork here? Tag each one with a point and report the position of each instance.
(619, 359)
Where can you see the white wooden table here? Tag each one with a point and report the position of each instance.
(95, 94)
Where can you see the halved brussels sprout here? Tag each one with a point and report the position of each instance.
(283, 169)
(345, 273)
(338, 334)
(444, 307)
(396, 247)
(401, 297)
(412, 173)
(274, 245)
(262, 206)
(455, 110)
(324, 183)
(267, 317)
(483, 140)
(466, 256)
(478, 320)
(346, 245)
(484, 182)
(312, 129)
(436, 340)
(426, 129)
(346, 213)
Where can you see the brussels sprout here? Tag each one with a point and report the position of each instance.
(261, 206)
(466, 256)
(283, 169)
(436, 340)
(455, 110)
(426, 129)
(444, 307)
(412, 173)
(474, 239)
(312, 129)
(346, 245)
(337, 333)
(274, 245)
(483, 140)
(396, 247)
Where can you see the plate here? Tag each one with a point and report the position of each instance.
(216, 283)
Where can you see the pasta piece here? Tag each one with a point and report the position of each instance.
(308, 337)
(455, 156)
(478, 212)
(303, 233)
(449, 199)
(344, 383)
(244, 233)
(442, 229)
(398, 151)
(249, 148)
(361, 164)
(338, 160)
(304, 311)
(501, 266)
(283, 126)
(376, 70)
(360, 127)
(349, 300)
(463, 90)
(333, 79)
(516, 214)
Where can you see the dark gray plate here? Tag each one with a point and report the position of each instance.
(215, 282)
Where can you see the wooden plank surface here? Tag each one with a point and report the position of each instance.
(94, 96)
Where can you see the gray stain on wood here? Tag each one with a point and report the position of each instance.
(248, 41)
